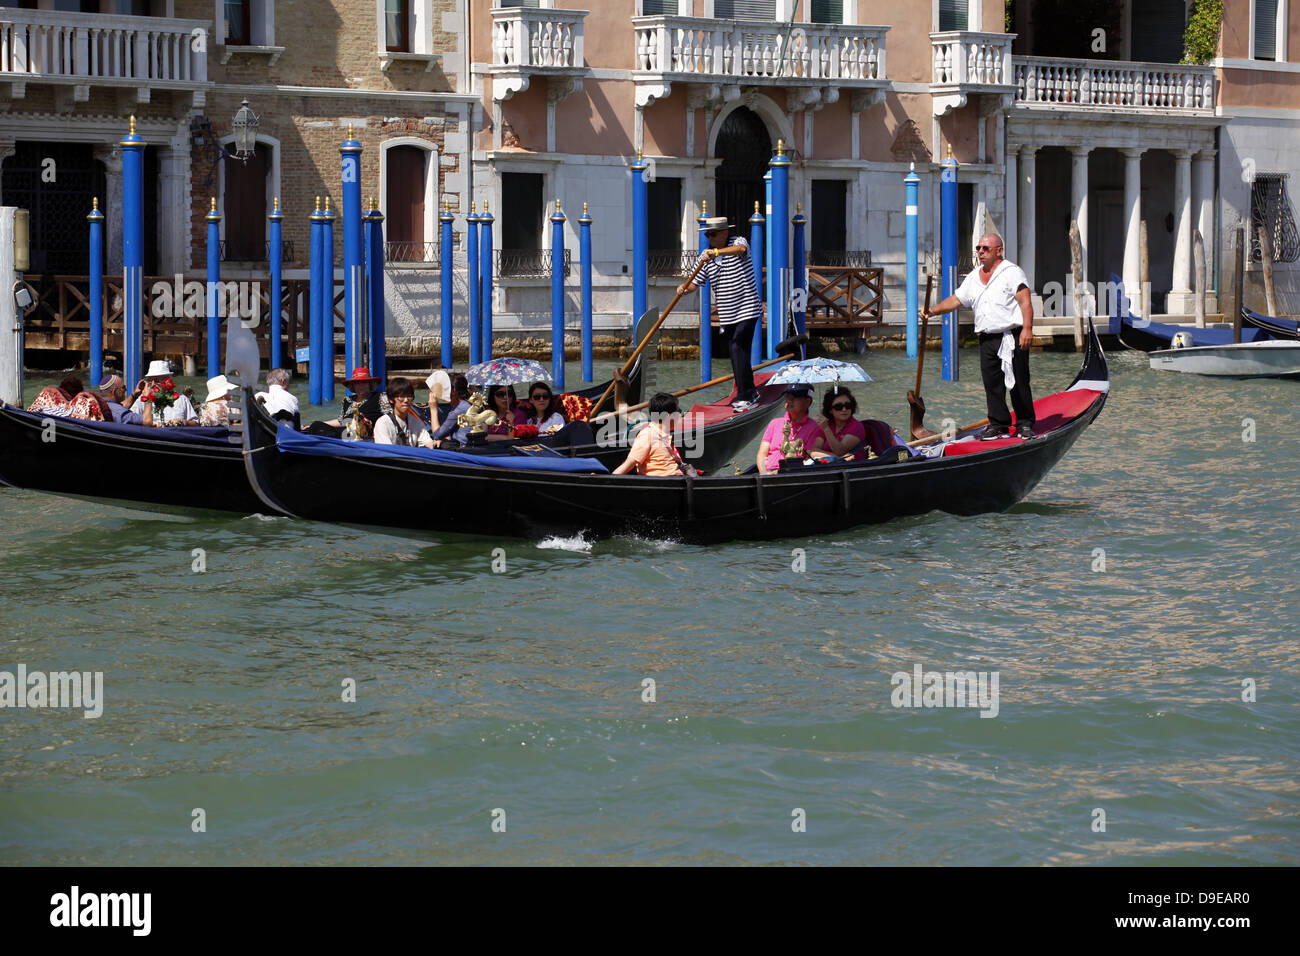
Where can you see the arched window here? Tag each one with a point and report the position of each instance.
(745, 147)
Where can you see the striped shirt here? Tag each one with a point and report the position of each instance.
(731, 281)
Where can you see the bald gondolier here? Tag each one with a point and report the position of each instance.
(730, 274)
(999, 293)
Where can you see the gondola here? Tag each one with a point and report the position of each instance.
(1275, 326)
(317, 478)
(1142, 335)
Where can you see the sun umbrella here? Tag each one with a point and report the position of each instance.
(506, 371)
(815, 370)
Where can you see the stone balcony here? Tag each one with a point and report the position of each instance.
(1111, 86)
(75, 51)
(720, 56)
(970, 64)
(530, 42)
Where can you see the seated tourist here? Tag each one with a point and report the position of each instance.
(451, 432)
(114, 391)
(798, 399)
(215, 411)
(842, 434)
(159, 389)
(361, 410)
(544, 410)
(653, 452)
(56, 400)
(280, 403)
(401, 426)
(502, 400)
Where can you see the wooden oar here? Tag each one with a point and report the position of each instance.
(789, 343)
(935, 437)
(648, 336)
(914, 397)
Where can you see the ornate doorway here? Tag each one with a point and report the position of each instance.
(745, 147)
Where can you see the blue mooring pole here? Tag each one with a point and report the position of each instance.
(584, 253)
(800, 272)
(375, 292)
(446, 253)
(214, 290)
(557, 297)
(911, 187)
(779, 227)
(96, 220)
(354, 303)
(640, 239)
(132, 256)
(471, 253)
(757, 254)
(948, 264)
(706, 304)
(314, 333)
(327, 303)
(485, 281)
(761, 340)
(275, 233)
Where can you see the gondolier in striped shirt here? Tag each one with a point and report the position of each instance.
(730, 274)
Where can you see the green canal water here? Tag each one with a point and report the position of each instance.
(1127, 606)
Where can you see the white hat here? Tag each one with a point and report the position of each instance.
(439, 386)
(714, 223)
(158, 367)
(218, 387)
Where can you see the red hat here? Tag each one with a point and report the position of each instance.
(360, 375)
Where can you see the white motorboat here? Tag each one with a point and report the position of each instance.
(1271, 358)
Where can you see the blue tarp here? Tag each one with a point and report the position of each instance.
(1286, 325)
(182, 434)
(303, 444)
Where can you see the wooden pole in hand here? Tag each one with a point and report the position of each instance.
(648, 336)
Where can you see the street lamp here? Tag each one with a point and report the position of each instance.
(244, 128)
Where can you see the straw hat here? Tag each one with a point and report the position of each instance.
(714, 223)
(218, 387)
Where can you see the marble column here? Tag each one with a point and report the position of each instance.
(1180, 294)
(1026, 212)
(1203, 204)
(1132, 225)
(111, 157)
(1010, 225)
(1079, 201)
(174, 203)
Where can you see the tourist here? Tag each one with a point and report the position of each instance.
(401, 426)
(439, 385)
(215, 411)
(502, 400)
(798, 399)
(729, 271)
(544, 411)
(999, 293)
(279, 402)
(842, 434)
(157, 388)
(113, 390)
(451, 432)
(653, 452)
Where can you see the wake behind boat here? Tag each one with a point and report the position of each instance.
(425, 490)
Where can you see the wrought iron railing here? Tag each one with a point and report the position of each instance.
(670, 262)
(423, 252)
(840, 258)
(1270, 207)
(261, 253)
(528, 263)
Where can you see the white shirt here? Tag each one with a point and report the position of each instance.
(995, 305)
(387, 433)
(279, 399)
(180, 411)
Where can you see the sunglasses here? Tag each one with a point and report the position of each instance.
(841, 406)
(986, 248)
(540, 396)
(500, 394)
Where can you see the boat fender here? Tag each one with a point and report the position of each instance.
(1181, 340)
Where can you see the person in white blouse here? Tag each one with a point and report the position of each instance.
(545, 412)
(999, 293)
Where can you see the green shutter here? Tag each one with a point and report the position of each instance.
(827, 11)
(1265, 30)
(658, 8)
(764, 10)
(954, 15)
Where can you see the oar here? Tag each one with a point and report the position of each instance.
(914, 397)
(790, 343)
(648, 336)
(933, 437)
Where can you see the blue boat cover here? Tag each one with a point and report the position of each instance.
(1286, 325)
(302, 444)
(1249, 333)
(184, 435)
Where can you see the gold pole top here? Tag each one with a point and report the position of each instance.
(780, 147)
(94, 204)
(327, 203)
(638, 155)
(133, 123)
(485, 208)
(557, 205)
(798, 208)
(755, 207)
(584, 209)
(318, 203)
(350, 134)
(214, 204)
(950, 150)
(704, 207)
(275, 204)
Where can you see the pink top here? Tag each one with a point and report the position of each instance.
(808, 430)
(852, 427)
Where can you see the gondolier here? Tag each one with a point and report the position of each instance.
(727, 268)
(999, 293)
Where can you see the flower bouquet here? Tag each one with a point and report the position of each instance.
(162, 394)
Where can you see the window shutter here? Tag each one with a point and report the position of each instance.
(1265, 30)
(744, 9)
(954, 15)
(827, 11)
(1158, 28)
(519, 3)
(658, 8)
